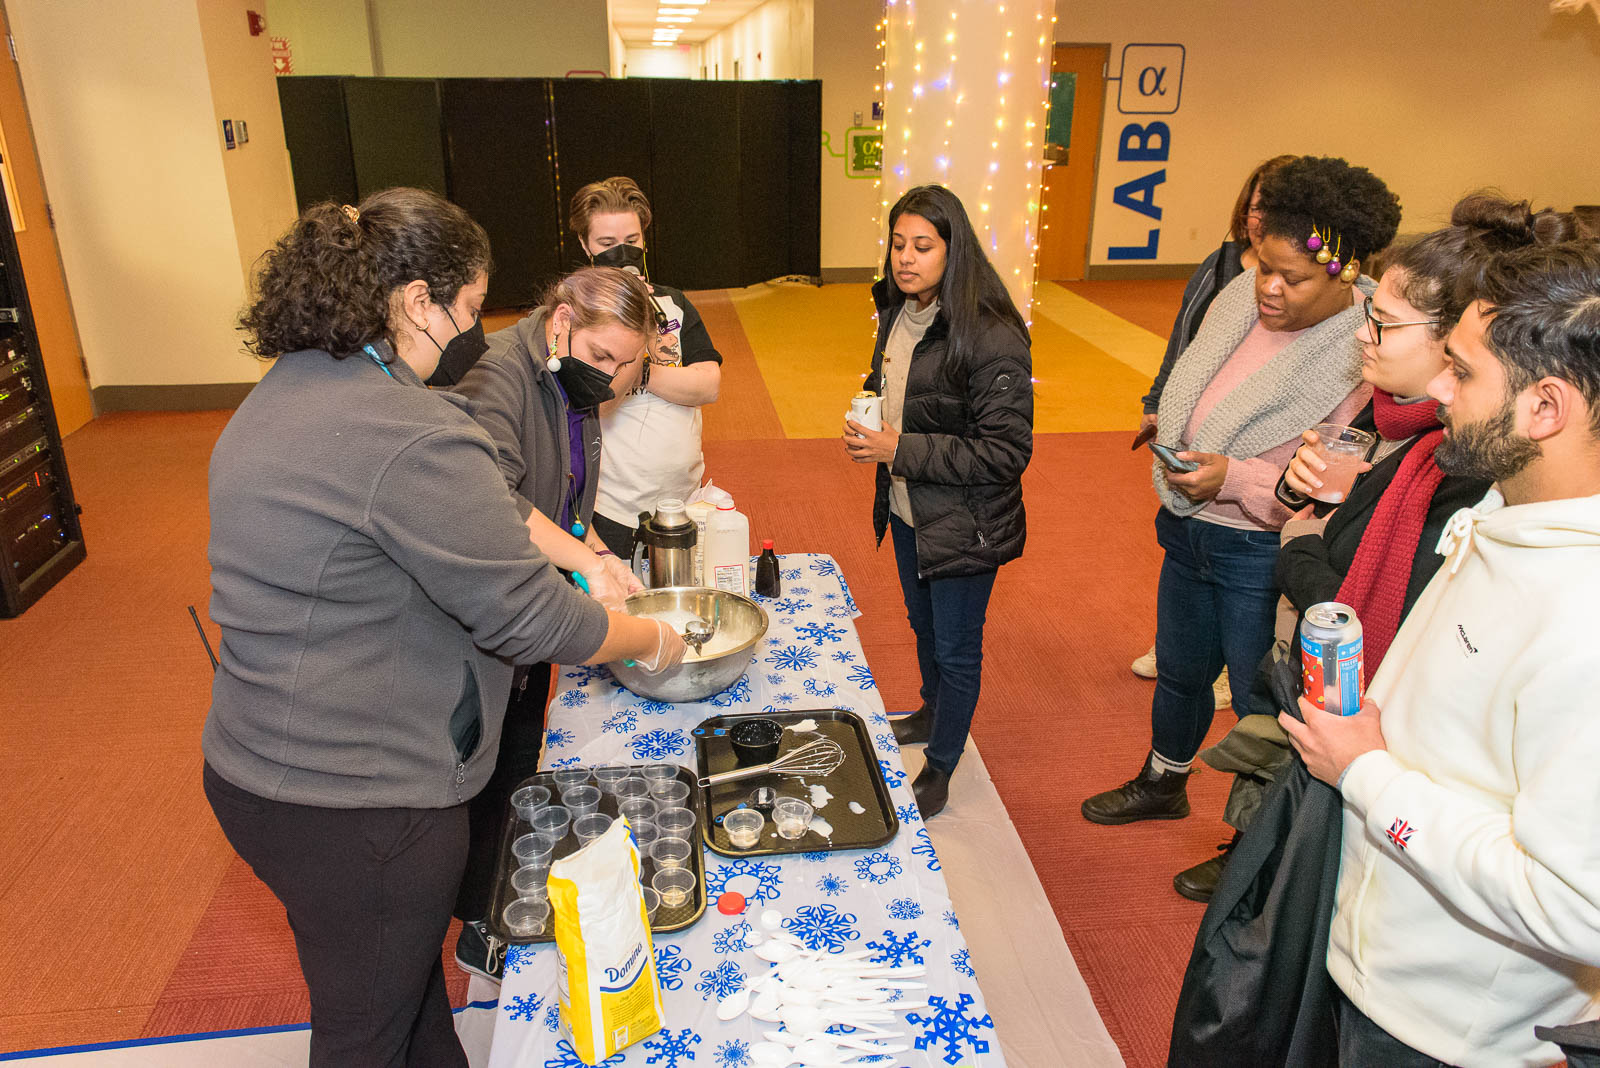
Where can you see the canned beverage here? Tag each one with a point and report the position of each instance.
(866, 408)
(1330, 657)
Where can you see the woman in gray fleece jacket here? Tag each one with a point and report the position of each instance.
(375, 585)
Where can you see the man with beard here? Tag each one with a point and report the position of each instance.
(1468, 904)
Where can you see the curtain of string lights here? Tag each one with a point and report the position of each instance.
(965, 85)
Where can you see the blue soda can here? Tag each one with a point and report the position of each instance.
(1330, 657)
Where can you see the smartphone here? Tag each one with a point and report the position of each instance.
(1170, 459)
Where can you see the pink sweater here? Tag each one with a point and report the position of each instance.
(1246, 499)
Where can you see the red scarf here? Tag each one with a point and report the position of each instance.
(1381, 571)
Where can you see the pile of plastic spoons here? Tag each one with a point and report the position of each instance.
(809, 991)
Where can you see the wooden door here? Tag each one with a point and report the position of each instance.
(1068, 183)
(41, 258)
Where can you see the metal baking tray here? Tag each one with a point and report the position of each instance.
(858, 779)
(667, 919)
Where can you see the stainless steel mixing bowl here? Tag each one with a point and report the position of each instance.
(697, 679)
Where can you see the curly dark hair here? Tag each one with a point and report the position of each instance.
(1239, 221)
(1328, 194)
(329, 282)
(1481, 225)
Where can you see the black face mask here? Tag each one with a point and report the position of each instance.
(627, 257)
(458, 355)
(587, 386)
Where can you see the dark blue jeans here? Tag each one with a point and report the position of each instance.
(946, 615)
(1214, 607)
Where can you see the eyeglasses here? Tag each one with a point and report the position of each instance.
(1378, 327)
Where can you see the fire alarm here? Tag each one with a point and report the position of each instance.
(258, 25)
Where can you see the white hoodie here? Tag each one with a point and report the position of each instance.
(1468, 907)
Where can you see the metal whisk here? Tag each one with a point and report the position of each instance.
(821, 757)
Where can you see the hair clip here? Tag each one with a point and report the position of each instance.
(351, 213)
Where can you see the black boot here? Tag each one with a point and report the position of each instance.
(932, 789)
(914, 729)
(1200, 882)
(1150, 795)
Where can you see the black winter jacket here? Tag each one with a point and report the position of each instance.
(962, 453)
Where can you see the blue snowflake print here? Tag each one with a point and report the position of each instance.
(878, 868)
(556, 737)
(784, 700)
(951, 1026)
(583, 676)
(739, 691)
(887, 743)
(567, 1057)
(878, 719)
(861, 675)
(572, 699)
(815, 858)
(844, 656)
(800, 589)
(552, 1017)
(924, 848)
(670, 966)
(656, 744)
(820, 633)
(823, 927)
(961, 961)
(734, 1053)
(734, 940)
(524, 1008)
(726, 978)
(830, 597)
(908, 814)
(831, 885)
(791, 573)
(892, 775)
(818, 689)
(791, 605)
(952, 919)
(839, 611)
(518, 958)
(767, 879)
(899, 950)
(670, 1049)
(653, 708)
(793, 658)
(622, 721)
(566, 762)
(905, 908)
(824, 568)
(775, 680)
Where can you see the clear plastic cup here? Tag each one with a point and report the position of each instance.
(744, 827)
(674, 885)
(654, 773)
(607, 778)
(792, 817)
(644, 836)
(591, 826)
(675, 822)
(526, 917)
(637, 810)
(1344, 450)
(567, 778)
(581, 800)
(529, 799)
(671, 793)
(531, 882)
(633, 786)
(533, 849)
(552, 820)
(670, 853)
(652, 902)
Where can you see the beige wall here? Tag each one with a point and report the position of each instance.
(652, 62)
(773, 41)
(325, 36)
(845, 60)
(131, 152)
(490, 38)
(1437, 99)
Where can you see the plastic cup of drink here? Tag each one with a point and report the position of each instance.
(552, 821)
(608, 778)
(632, 786)
(528, 800)
(671, 793)
(674, 885)
(645, 836)
(532, 882)
(674, 822)
(591, 826)
(670, 853)
(792, 817)
(652, 902)
(581, 800)
(1344, 450)
(655, 773)
(526, 917)
(533, 849)
(744, 827)
(637, 810)
(567, 778)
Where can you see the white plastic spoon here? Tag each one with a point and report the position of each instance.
(733, 1005)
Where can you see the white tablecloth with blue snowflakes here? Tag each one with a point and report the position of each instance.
(891, 901)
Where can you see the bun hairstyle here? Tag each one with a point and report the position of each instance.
(599, 296)
(329, 282)
(1238, 222)
(1327, 194)
(1481, 225)
(604, 197)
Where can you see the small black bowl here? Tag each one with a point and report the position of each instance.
(755, 741)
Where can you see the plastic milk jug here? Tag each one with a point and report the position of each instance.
(727, 552)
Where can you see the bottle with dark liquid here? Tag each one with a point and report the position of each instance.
(767, 581)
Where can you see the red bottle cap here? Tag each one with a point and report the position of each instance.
(731, 903)
(766, 543)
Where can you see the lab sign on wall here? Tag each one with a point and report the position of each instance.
(1150, 84)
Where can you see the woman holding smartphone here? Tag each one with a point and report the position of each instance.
(954, 366)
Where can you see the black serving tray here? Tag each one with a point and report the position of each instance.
(667, 919)
(858, 779)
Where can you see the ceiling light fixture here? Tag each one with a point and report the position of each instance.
(672, 18)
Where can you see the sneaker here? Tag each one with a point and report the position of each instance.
(1221, 691)
(1200, 882)
(1145, 666)
(479, 952)
(1149, 795)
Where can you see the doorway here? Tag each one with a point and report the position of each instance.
(1077, 87)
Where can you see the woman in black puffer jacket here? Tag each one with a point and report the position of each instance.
(953, 365)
